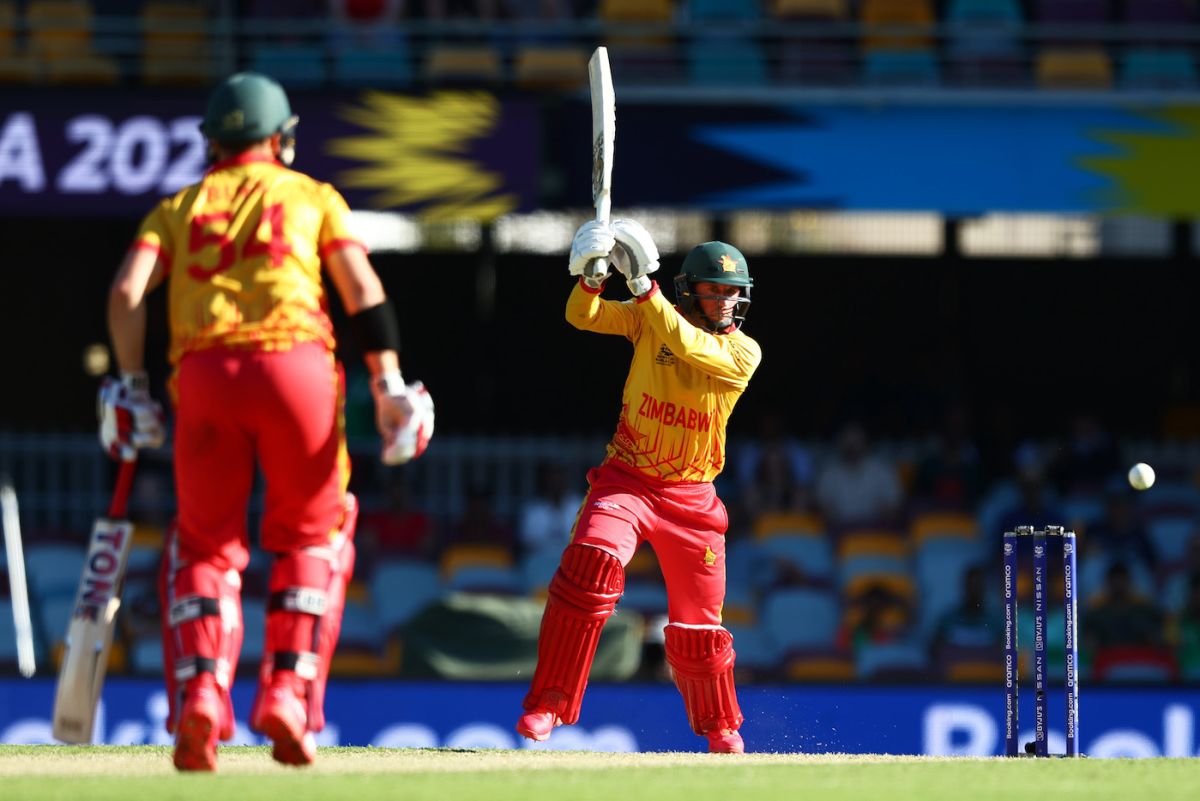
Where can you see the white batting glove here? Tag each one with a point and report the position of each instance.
(404, 416)
(592, 241)
(637, 255)
(129, 418)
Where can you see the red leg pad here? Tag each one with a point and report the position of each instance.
(702, 660)
(201, 630)
(304, 615)
(583, 594)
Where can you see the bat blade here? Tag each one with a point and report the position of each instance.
(93, 620)
(604, 132)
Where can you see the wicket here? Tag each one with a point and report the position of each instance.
(1070, 640)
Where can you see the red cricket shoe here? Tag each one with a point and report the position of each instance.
(283, 718)
(538, 724)
(725, 741)
(196, 735)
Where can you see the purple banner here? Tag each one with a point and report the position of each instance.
(448, 154)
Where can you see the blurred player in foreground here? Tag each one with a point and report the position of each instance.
(690, 365)
(255, 381)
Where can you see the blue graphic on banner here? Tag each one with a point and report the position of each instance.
(949, 159)
(1116, 722)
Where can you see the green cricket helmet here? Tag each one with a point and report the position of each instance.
(248, 107)
(717, 263)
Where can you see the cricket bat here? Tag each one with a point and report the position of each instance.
(604, 132)
(93, 620)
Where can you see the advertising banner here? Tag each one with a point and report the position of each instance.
(444, 155)
(932, 720)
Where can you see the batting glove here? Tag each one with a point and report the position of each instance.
(404, 415)
(592, 241)
(129, 418)
(637, 255)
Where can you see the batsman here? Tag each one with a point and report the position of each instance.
(691, 363)
(256, 386)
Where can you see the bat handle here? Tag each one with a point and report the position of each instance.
(120, 498)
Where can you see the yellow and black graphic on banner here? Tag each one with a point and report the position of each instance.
(417, 151)
(1155, 169)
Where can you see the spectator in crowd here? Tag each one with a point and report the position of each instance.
(876, 616)
(399, 529)
(973, 622)
(479, 524)
(547, 519)
(372, 24)
(1120, 536)
(774, 471)
(951, 477)
(1088, 459)
(856, 487)
(1035, 504)
(1185, 632)
(1120, 618)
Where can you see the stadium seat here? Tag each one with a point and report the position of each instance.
(15, 66)
(463, 64)
(897, 24)
(1156, 69)
(818, 665)
(984, 43)
(891, 661)
(53, 568)
(936, 525)
(726, 61)
(755, 649)
(900, 68)
(400, 589)
(723, 11)
(975, 665)
(296, 66)
(872, 542)
(146, 656)
(806, 559)
(798, 618)
(647, 597)
(1073, 68)
(364, 649)
(1134, 664)
(771, 524)
(376, 67)
(544, 67)
(538, 568)
(60, 41)
(815, 10)
(635, 10)
(175, 40)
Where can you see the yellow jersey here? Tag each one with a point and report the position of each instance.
(683, 383)
(243, 250)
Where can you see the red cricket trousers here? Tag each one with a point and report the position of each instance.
(684, 523)
(280, 410)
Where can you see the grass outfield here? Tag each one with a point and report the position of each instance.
(144, 773)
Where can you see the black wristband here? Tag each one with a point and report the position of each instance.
(375, 328)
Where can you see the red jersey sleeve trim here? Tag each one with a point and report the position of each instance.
(651, 292)
(142, 244)
(338, 244)
(590, 290)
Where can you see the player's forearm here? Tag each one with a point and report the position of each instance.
(587, 311)
(127, 329)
